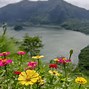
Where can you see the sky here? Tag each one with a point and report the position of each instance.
(80, 3)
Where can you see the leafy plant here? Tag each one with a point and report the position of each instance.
(31, 44)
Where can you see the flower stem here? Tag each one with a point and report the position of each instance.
(38, 64)
(21, 58)
(4, 57)
(65, 76)
(79, 86)
(65, 70)
(30, 86)
(5, 70)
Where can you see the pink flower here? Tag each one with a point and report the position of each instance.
(63, 60)
(32, 65)
(21, 53)
(4, 53)
(5, 62)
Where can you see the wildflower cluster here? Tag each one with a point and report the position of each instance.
(26, 72)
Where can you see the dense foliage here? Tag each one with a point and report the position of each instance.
(84, 61)
(77, 25)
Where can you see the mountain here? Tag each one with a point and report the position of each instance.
(41, 12)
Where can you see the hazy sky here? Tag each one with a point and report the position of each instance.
(80, 3)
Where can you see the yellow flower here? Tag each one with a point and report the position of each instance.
(64, 58)
(56, 59)
(29, 77)
(0, 58)
(53, 72)
(40, 81)
(38, 57)
(80, 80)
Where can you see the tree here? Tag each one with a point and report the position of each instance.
(84, 60)
(32, 45)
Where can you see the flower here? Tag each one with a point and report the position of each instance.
(53, 66)
(17, 72)
(5, 62)
(21, 53)
(32, 65)
(4, 53)
(56, 59)
(63, 60)
(0, 58)
(37, 57)
(28, 78)
(40, 81)
(54, 72)
(80, 80)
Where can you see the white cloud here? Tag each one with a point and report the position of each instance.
(80, 3)
(5, 2)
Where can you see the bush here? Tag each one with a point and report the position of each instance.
(32, 45)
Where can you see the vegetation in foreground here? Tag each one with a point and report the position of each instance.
(20, 70)
(84, 60)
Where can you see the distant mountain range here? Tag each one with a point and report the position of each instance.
(41, 12)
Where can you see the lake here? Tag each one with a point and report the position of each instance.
(57, 42)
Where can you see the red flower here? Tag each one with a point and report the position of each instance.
(4, 53)
(53, 66)
(21, 53)
(17, 72)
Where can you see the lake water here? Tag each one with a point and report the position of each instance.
(57, 42)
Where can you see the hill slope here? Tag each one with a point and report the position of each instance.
(84, 60)
(41, 12)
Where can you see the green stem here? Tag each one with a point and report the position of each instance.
(4, 57)
(21, 58)
(65, 70)
(51, 80)
(30, 86)
(38, 87)
(5, 70)
(79, 86)
(65, 76)
(38, 64)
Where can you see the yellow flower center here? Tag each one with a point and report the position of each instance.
(64, 59)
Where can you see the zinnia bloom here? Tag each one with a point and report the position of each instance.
(17, 72)
(63, 60)
(28, 78)
(4, 53)
(40, 81)
(32, 65)
(56, 59)
(37, 57)
(5, 62)
(54, 72)
(21, 53)
(53, 66)
(80, 80)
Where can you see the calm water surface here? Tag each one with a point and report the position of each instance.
(57, 42)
